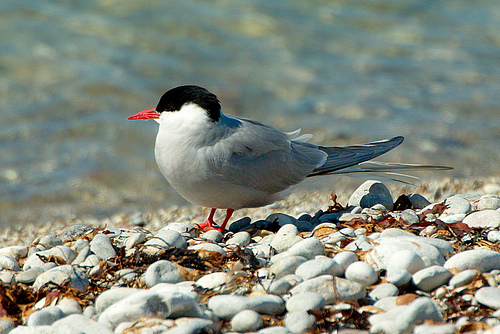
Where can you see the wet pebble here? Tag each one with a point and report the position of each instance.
(371, 193)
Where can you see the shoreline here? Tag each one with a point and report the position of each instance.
(307, 263)
(301, 201)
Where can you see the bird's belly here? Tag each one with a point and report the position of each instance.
(194, 180)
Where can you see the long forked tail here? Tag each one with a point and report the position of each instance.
(353, 160)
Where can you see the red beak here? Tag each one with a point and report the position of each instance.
(145, 114)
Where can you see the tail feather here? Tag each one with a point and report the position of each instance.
(352, 160)
(343, 157)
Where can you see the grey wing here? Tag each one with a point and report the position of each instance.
(261, 157)
(347, 156)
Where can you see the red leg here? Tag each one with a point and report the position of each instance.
(209, 224)
(229, 213)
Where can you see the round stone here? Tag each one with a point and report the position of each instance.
(319, 266)
(485, 218)
(489, 296)
(102, 247)
(306, 301)
(361, 272)
(405, 260)
(246, 321)
(371, 193)
(456, 205)
(431, 278)
(480, 259)
(163, 271)
(299, 322)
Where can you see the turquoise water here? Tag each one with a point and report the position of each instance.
(345, 71)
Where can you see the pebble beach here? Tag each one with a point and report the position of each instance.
(379, 259)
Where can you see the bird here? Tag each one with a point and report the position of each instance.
(229, 162)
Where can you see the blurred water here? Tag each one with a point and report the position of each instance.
(346, 71)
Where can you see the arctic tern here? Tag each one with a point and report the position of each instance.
(227, 162)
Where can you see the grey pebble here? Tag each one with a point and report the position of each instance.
(150, 304)
(75, 231)
(8, 262)
(163, 271)
(246, 321)
(489, 202)
(493, 236)
(6, 324)
(371, 193)
(431, 278)
(63, 252)
(102, 247)
(82, 255)
(489, 296)
(80, 244)
(451, 219)
(463, 278)
(280, 287)
(485, 218)
(402, 319)
(435, 329)
(166, 238)
(50, 240)
(410, 217)
(213, 235)
(16, 252)
(135, 239)
(333, 289)
(29, 276)
(7, 277)
(46, 316)
(479, 259)
(274, 330)
(384, 290)
(286, 265)
(299, 322)
(362, 273)
(212, 280)
(399, 278)
(418, 201)
(345, 258)
(239, 224)
(456, 205)
(79, 323)
(405, 259)
(207, 246)
(319, 266)
(226, 306)
(240, 239)
(281, 218)
(306, 301)
(111, 296)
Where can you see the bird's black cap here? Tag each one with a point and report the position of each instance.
(175, 98)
